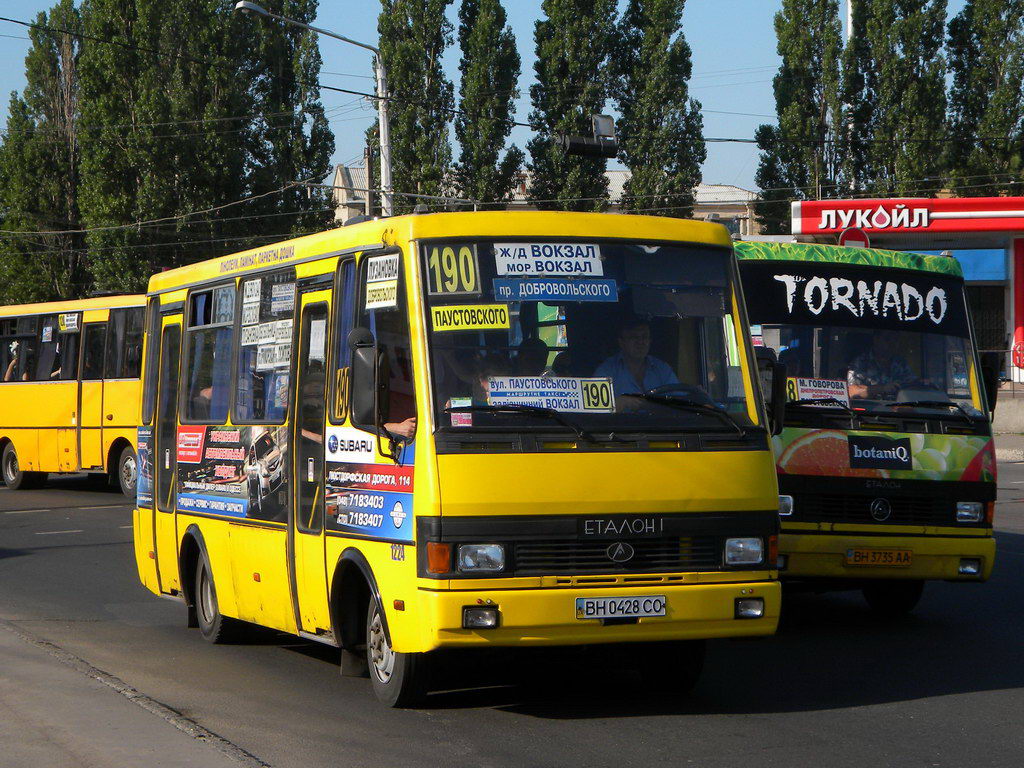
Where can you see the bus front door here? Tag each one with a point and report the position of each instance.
(306, 565)
(90, 396)
(164, 456)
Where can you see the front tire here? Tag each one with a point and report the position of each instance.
(127, 472)
(893, 599)
(214, 626)
(14, 477)
(398, 679)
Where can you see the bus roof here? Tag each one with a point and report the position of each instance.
(843, 254)
(74, 305)
(521, 225)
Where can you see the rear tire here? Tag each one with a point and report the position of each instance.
(126, 473)
(215, 627)
(893, 599)
(399, 679)
(672, 668)
(14, 477)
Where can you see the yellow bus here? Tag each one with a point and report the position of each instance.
(70, 389)
(886, 462)
(460, 430)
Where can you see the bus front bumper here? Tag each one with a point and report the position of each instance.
(828, 555)
(535, 617)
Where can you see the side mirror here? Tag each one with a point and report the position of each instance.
(991, 369)
(773, 386)
(363, 378)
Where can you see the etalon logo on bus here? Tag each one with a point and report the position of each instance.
(876, 452)
(620, 552)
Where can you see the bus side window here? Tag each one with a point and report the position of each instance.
(124, 347)
(342, 354)
(92, 351)
(390, 328)
(152, 345)
(48, 362)
(207, 364)
(265, 345)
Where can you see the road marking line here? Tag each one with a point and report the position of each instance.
(23, 511)
(47, 533)
(124, 526)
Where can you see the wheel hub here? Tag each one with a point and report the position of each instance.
(382, 658)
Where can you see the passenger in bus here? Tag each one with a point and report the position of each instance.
(531, 357)
(11, 374)
(633, 370)
(880, 372)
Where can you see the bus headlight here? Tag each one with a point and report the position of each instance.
(489, 558)
(969, 511)
(744, 551)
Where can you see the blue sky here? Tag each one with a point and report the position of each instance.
(734, 59)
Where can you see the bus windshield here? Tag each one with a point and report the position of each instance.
(866, 338)
(602, 336)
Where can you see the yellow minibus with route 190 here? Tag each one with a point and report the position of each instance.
(69, 389)
(460, 430)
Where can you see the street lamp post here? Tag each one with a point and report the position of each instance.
(387, 203)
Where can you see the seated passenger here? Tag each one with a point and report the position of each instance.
(632, 370)
(531, 357)
(879, 372)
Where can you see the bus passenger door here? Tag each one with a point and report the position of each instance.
(164, 456)
(90, 396)
(306, 566)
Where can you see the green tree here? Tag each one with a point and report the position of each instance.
(906, 88)
(798, 156)
(660, 127)
(574, 41)
(39, 169)
(490, 67)
(182, 123)
(291, 138)
(413, 37)
(857, 94)
(986, 98)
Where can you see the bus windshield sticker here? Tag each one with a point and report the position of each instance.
(452, 270)
(382, 282)
(282, 298)
(47, 334)
(553, 290)
(563, 393)
(461, 418)
(67, 322)
(470, 317)
(557, 259)
(818, 389)
(271, 356)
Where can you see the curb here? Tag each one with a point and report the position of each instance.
(1009, 454)
(152, 706)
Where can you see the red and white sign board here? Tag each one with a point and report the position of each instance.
(963, 214)
(855, 238)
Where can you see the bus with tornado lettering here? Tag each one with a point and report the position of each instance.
(886, 462)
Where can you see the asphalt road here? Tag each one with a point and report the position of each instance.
(836, 687)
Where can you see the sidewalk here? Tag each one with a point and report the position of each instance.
(1009, 447)
(53, 714)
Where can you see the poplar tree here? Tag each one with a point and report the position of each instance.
(39, 169)
(660, 126)
(413, 37)
(906, 96)
(574, 40)
(490, 68)
(986, 98)
(798, 156)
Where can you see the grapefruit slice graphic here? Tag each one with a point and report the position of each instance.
(822, 452)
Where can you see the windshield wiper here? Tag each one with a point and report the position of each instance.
(935, 404)
(834, 402)
(686, 404)
(533, 410)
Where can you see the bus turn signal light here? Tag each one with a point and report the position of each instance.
(439, 557)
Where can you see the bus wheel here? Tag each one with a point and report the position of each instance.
(14, 478)
(672, 668)
(399, 679)
(215, 627)
(893, 599)
(127, 472)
